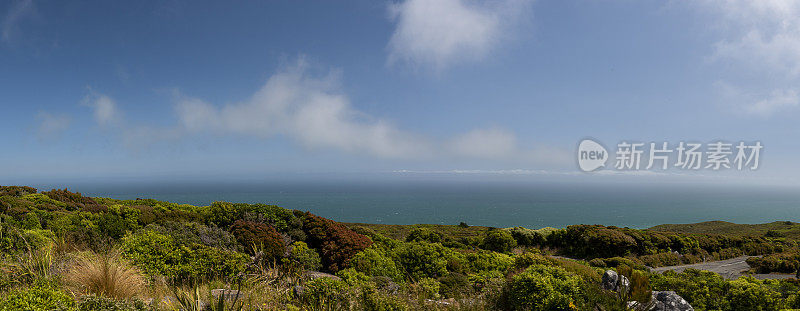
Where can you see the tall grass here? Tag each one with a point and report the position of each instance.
(36, 264)
(105, 274)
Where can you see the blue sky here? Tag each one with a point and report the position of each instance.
(169, 89)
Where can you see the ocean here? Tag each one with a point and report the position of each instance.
(496, 204)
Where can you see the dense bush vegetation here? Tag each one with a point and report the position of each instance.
(337, 243)
(654, 248)
(709, 291)
(542, 287)
(255, 237)
(64, 251)
(158, 254)
(779, 262)
(499, 241)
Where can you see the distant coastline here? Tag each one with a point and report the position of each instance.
(495, 204)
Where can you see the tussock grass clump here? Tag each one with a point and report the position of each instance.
(105, 274)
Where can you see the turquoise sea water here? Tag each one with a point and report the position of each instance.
(532, 205)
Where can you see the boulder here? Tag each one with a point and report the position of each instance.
(669, 301)
(613, 281)
(624, 283)
(609, 280)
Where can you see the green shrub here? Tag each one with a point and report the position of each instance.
(482, 261)
(305, 257)
(749, 294)
(196, 233)
(41, 297)
(328, 292)
(372, 300)
(375, 262)
(614, 262)
(423, 235)
(454, 285)
(499, 241)
(428, 288)
(526, 237)
(661, 259)
(544, 288)
(43, 202)
(422, 259)
(353, 277)
(114, 226)
(780, 262)
(483, 279)
(528, 259)
(158, 254)
(597, 262)
(94, 303)
(702, 289)
(222, 214)
(31, 222)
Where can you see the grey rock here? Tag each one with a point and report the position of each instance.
(624, 283)
(670, 301)
(613, 281)
(609, 280)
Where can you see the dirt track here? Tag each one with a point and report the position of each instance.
(730, 268)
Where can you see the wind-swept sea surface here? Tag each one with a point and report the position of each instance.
(497, 204)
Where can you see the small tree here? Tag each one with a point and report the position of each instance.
(499, 241)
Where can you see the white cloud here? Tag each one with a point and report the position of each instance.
(764, 34)
(310, 110)
(777, 100)
(50, 126)
(16, 14)
(762, 38)
(763, 104)
(105, 108)
(440, 33)
(315, 113)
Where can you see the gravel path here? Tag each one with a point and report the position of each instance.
(730, 268)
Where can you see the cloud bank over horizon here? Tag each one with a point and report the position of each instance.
(315, 113)
(422, 85)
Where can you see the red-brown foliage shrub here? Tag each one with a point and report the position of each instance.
(75, 200)
(337, 243)
(258, 236)
(16, 191)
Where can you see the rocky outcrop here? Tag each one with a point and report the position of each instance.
(662, 301)
(613, 281)
(670, 301)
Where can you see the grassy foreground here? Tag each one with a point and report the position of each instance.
(64, 251)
